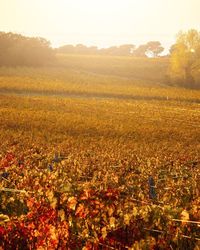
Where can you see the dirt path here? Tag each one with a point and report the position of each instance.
(94, 95)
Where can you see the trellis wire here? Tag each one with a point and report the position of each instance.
(129, 198)
(132, 200)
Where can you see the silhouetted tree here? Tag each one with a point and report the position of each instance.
(123, 50)
(113, 50)
(126, 49)
(140, 51)
(154, 48)
(68, 49)
(78, 49)
(18, 50)
(81, 49)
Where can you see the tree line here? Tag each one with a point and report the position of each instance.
(184, 55)
(150, 49)
(18, 50)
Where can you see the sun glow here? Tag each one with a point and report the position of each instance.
(105, 22)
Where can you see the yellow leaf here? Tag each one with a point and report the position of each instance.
(110, 211)
(135, 211)
(72, 203)
(4, 218)
(104, 232)
(50, 195)
(185, 215)
(61, 214)
(112, 222)
(127, 219)
(53, 203)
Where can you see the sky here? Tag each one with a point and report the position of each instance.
(102, 23)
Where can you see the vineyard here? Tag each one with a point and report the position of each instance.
(97, 172)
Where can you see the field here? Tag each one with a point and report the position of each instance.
(98, 153)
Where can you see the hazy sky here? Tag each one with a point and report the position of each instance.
(100, 22)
